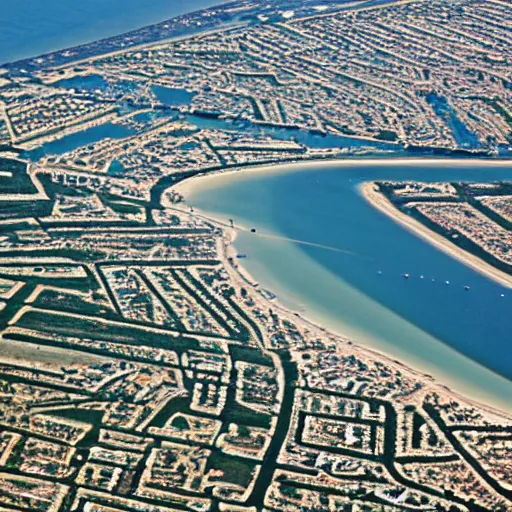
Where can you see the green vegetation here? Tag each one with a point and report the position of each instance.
(19, 182)
(236, 413)
(65, 301)
(236, 471)
(94, 328)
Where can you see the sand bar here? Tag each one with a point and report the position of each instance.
(379, 201)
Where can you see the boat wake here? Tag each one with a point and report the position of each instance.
(304, 242)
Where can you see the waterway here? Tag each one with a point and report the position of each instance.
(348, 273)
(177, 97)
(34, 27)
(79, 139)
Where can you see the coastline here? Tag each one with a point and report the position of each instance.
(238, 271)
(363, 345)
(381, 203)
(129, 27)
(153, 44)
(185, 186)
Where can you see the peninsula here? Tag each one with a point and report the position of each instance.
(470, 221)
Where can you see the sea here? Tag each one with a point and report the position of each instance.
(336, 260)
(33, 27)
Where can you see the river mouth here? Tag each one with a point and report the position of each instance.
(325, 252)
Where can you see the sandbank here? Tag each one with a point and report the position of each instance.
(379, 201)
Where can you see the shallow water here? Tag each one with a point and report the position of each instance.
(173, 96)
(355, 286)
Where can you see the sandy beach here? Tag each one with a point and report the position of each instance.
(361, 346)
(449, 385)
(379, 201)
(186, 186)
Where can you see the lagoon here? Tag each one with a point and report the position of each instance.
(330, 255)
(78, 139)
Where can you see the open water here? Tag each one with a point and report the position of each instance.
(33, 27)
(352, 279)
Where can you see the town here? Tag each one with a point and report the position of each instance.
(141, 370)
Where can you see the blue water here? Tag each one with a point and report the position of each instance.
(116, 169)
(310, 139)
(32, 27)
(362, 287)
(79, 139)
(173, 96)
(177, 97)
(478, 323)
(464, 137)
(86, 83)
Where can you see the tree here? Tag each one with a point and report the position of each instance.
(244, 431)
